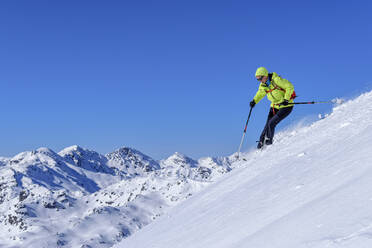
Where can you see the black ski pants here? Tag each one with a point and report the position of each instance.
(275, 116)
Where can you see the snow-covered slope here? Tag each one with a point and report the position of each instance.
(312, 188)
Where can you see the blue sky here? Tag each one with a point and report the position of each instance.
(167, 76)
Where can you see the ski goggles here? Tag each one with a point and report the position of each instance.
(260, 78)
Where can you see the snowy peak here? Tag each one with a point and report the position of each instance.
(86, 159)
(45, 151)
(46, 169)
(217, 165)
(39, 156)
(71, 149)
(179, 160)
(131, 162)
(179, 165)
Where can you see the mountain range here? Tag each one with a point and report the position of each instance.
(80, 198)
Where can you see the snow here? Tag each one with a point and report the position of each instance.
(80, 198)
(4, 161)
(312, 188)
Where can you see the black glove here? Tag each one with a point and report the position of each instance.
(252, 103)
(284, 103)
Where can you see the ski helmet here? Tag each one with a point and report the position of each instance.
(262, 71)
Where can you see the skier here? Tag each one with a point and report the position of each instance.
(281, 94)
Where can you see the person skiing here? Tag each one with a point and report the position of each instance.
(281, 94)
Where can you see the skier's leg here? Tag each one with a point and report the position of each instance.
(280, 115)
(264, 131)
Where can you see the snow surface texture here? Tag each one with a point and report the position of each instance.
(311, 189)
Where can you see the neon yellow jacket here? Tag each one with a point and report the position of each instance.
(280, 89)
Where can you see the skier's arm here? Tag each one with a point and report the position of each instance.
(259, 95)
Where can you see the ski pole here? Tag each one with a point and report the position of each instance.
(313, 102)
(245, 130)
